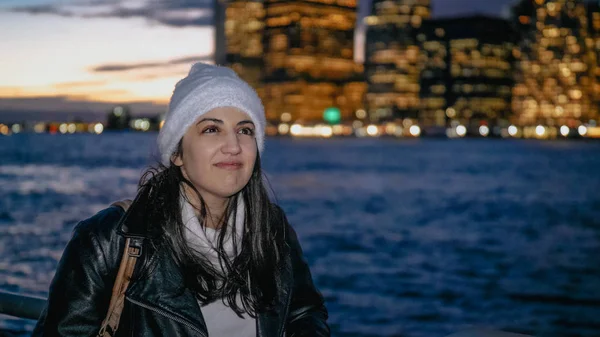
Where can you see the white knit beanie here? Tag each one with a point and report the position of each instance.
(207, 87)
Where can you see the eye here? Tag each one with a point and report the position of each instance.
(247, 131)
(210, 129)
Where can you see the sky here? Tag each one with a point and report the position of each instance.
(65, 59)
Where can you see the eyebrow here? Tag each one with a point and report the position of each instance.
(218, 121)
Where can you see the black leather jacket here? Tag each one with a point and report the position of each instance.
(156, 305)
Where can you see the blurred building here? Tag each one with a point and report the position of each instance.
(309, 60)
(392, 58)
(118, 118)
(467, 74)
(593, 19)
(556, 68)
(243, 31)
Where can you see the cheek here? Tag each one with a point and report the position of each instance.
(251, 159)
(195, 162)
(250, 150)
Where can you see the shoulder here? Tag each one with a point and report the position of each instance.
(100, 233)
(276, 211)
(278, 214)
(103, 223)
(94, 244)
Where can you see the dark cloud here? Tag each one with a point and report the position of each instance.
(150, 65)
(182, 13)
(198, 16)
(42, 9)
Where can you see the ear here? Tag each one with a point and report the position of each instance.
(177, 160)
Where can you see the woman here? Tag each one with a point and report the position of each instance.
(218, 258)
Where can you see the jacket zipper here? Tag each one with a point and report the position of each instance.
(168, 315)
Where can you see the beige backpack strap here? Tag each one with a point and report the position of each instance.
(133, 250)
(124, 204)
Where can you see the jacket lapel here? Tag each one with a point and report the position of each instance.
(272, 323)
(161, 288)
(163, 292)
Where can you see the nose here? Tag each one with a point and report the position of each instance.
(231, 144)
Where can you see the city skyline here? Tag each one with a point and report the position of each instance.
(115, 67)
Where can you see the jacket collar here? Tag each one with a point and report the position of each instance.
(134, 222)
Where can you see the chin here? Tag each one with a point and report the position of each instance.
(228, 193)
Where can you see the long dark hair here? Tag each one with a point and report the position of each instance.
(253, 273)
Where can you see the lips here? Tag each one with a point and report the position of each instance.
(229, 165)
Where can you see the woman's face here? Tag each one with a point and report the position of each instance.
(218, 153)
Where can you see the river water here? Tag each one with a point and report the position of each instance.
(404, 237)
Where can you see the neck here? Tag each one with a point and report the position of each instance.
(215, 208)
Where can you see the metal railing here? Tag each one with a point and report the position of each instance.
(26, 306)
(23, 306)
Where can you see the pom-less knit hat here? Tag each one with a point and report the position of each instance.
(207, 87)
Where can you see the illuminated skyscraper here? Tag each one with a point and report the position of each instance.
(309, 59)
(555, 77)
(593, 13)
(392, 58)
(467, 74)
(243, 30)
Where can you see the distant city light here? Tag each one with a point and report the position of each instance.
(360, 114)
(461, 130)
(390, 128)
(564, 130)
(332, 115)
(98, 128)
(360, 132)
(296, 129)
(415, 130)
(118, 111)
(512, 130)
(582, 129)
(4, 129)
(71, 128)
(39, 128)
(286, 117)
(320, 130)
(326, 131)
(372, 130)
(540, 130)
(484, 130)
(450, 112)
(16, 128)
(283, 129)
(145, 125)
(63, 128)
(338, 130)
